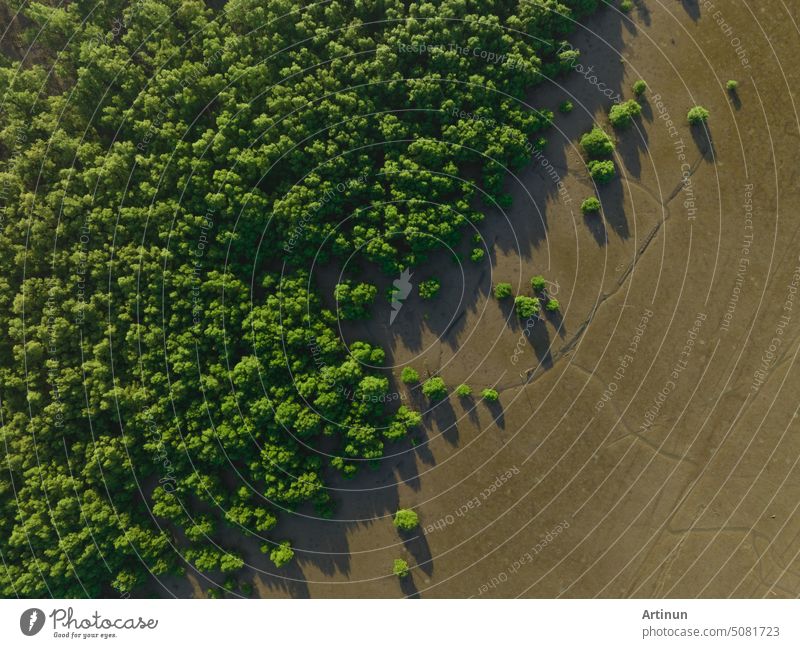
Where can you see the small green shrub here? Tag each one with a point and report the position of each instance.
(565, 107)
(400, 568)
(732, 85)
(281, 554)
(527, 306)
(409, 375)
(490, 395)
(597, 143)
(697, 115)
(639, 88)
(602, 171)
(502, 290)
(626, 6)
(353, 300)
(552, 305)
(405, 420)
(538, 283)
(406, 520)
(434, 388)
(622, 115)
(477, 255)
(590, 205)
(463, 391)
(429, 288)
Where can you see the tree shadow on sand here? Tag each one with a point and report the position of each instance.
(408, 587)
(496, 410)
(535, 190)
(704, 142)
(692, 8)
(444, 416)
(630, 147)
(417, 545)
(373, 495)
(597, 227)
(612, 196)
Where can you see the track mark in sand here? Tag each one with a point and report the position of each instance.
(672, 456)
(682, 183)
(534, 373)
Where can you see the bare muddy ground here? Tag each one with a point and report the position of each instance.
(646, 442)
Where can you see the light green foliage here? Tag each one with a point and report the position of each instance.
(697, 115)
(400, 568)
(602, 171)
(353, 300)
(409, 375)
(552, 305)
(282, 554)
(597, 143)
(406, 520)
(429, 289)
(732, 85)
(591, 205)
(527, 306)
(622, 115)
(434, 388)
(463, 391)
(405, 419)
(626, 6)
(538, 283)
(490, 395)
(502, 290)
(477, 254)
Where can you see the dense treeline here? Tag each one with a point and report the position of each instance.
(169, 173)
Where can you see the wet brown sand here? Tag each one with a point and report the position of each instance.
(645, 444)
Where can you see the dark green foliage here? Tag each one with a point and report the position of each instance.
(591, 205)
(565, 107)
(639, 88)
(602, 171)
(169, 369)
(434, 388)
(353, 300)
(622, 115)
(527, 306)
